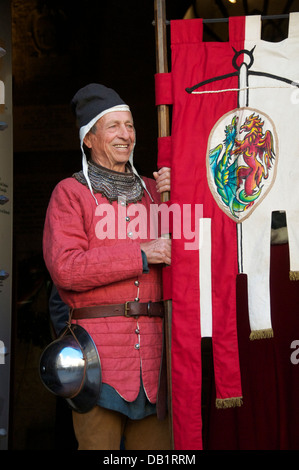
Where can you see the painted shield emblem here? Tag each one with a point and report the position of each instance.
(241, 161)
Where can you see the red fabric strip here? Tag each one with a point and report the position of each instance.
(163, 88)
(164, 151)
(167, 283)
(237, 28)
(186, 31)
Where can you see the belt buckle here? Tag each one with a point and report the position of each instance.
(149, 313)
(127, 309)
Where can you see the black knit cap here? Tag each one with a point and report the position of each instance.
(92, 100)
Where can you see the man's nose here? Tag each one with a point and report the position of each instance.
(124, 132)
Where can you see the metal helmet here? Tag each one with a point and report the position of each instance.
(70, 368)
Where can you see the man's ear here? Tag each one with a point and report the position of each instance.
(87, 140)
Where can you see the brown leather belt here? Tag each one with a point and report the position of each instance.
(128, 309)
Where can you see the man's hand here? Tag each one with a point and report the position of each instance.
(162, 178)
(157, 251)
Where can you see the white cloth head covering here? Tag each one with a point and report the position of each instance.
(89, 105)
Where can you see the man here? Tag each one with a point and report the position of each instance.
(112, 273)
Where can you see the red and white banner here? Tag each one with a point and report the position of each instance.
(233, 149)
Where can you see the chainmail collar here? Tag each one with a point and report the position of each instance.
(111, 184)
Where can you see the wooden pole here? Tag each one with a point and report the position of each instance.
(163, 131)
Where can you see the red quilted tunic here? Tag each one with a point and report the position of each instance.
(91, 271)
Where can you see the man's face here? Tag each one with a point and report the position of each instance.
(113, 141)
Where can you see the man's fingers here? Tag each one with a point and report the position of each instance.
(162, 178)
(157, 251)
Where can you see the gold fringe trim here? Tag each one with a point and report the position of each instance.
(261, 334)
(222, 403)
(294, 275)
